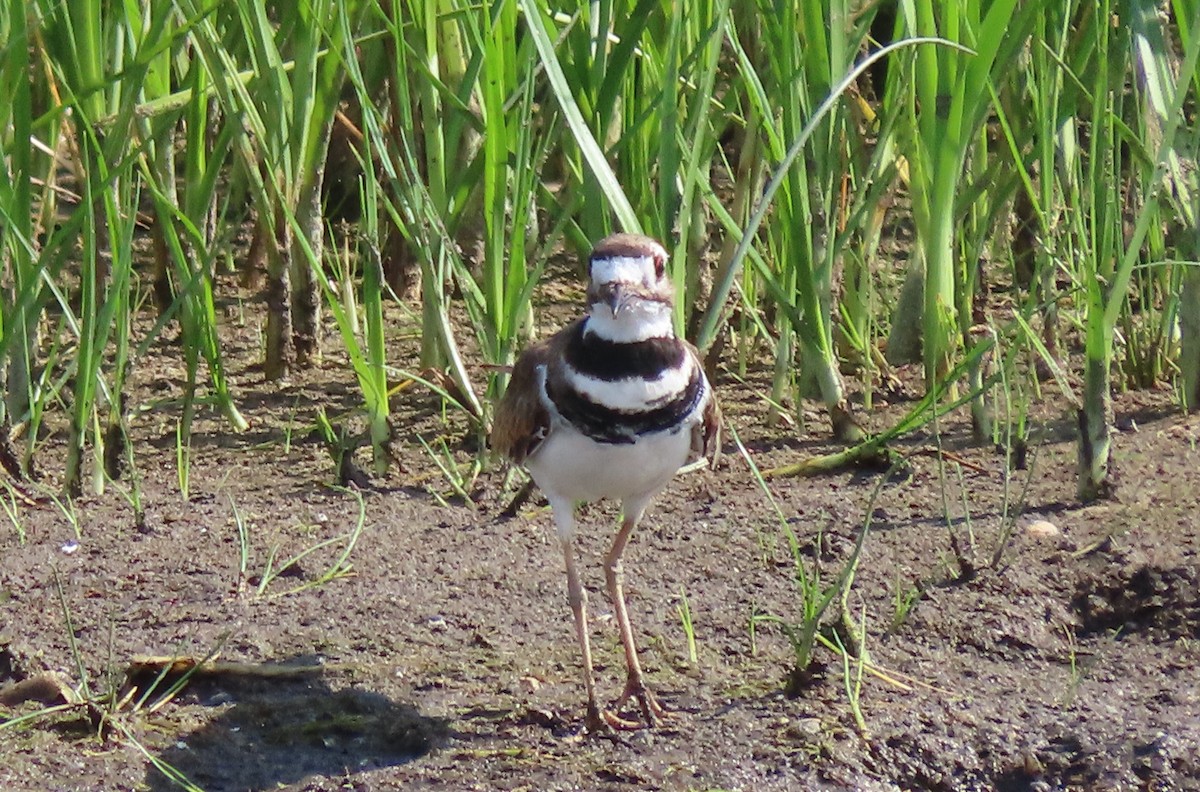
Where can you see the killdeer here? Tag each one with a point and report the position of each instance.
(611, 406)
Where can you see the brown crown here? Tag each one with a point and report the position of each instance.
(631, 245)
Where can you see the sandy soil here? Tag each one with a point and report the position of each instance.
(446, 659)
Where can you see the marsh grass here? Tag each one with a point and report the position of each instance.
(814, 594)
(482, 138)
(905, 597)
(273, 570)
(122, 703)
(688, 625)
(854, 666)
(11, 503)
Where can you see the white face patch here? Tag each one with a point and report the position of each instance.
(624, 269)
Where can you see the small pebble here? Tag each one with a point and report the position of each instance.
(1042, 529)
(804, 728)
(70, 547)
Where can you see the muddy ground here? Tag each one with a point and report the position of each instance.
(446, 659)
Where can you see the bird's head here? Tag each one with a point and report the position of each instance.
(629, 288)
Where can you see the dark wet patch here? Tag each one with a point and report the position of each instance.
(1132, 593)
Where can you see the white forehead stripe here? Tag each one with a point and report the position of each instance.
(622, 269)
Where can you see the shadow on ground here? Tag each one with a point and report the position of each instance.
(279, 731)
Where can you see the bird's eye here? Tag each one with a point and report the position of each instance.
(660, 266)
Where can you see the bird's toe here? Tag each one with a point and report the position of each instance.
(653, 712)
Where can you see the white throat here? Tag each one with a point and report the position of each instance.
(636, 322)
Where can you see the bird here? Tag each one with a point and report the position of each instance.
(610, 407)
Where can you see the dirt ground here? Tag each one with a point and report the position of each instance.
(446, 659)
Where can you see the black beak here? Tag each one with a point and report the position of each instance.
(611, 294)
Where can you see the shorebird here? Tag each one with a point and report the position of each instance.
(611, 406)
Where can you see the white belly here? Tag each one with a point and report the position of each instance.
(574, 467)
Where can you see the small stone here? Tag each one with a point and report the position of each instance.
(1043, 529)
(804, 728)
(539, 716)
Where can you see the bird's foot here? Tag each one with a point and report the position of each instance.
(653, 712)
(602, 721)
(605, 721)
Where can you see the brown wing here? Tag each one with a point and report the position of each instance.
(521, 422)
(706, 435)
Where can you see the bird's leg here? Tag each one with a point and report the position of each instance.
(578, 599)
(635, 686)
